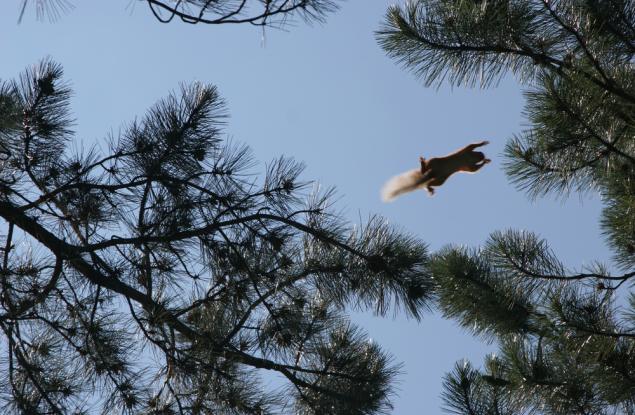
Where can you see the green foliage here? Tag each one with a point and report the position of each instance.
(564, 346)
(468, 391)
(165, 276)
(483, 299)
(566, 342)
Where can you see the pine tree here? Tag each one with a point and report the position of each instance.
(566, 337)
(271, 13)
(164, 276)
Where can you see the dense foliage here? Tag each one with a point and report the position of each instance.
(163, 276)
(567, 338)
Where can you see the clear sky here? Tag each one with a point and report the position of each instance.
(326, 95)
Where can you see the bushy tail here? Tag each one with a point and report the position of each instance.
(403, 183)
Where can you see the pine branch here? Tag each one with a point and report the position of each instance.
(224, 275)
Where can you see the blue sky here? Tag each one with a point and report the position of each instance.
(326, 95)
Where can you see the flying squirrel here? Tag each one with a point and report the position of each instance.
(435, 172)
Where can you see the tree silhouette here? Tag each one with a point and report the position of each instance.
(164, 276)
(272, 13)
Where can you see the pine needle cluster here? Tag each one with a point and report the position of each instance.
(566, 337)
(165, 276)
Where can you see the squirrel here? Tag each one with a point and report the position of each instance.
(435, 171)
